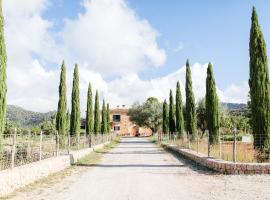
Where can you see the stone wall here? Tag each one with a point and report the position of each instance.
(222, 166)
(12, 179)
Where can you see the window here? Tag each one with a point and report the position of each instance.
(116, 128)
(116, 118)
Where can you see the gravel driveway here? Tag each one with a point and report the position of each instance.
(137, 170)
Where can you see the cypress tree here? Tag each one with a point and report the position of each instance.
(75, 119)
(61, 118)
(3, 85)
(190, 104)
(171, 114)
(97, 115)
(108, 119)
(104, 124)
(165, 118)
(179, 112)
(259, 86)
(211, 105)
(89, 111)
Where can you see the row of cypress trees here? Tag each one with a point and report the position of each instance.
(173, 115)
(93, 124)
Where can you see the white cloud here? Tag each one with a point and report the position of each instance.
(108, 38)
(179, 47)
(111, 39)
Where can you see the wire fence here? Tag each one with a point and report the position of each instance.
(233, 147)
(20, 149)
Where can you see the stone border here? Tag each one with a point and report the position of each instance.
(222, 166)
(12, 179)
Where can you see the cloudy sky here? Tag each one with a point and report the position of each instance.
(128, 49)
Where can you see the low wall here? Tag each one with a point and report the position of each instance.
(12, 179)
(222, 166)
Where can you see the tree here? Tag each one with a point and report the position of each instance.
(165, 118)
(61, 120)
(171, 114)
(259, 86)
(3, 85)
(179, 111)
(201, 116)
(97, 115)
(89, 111)
(108, 119)
(190, 104)
(211, 107)
(104, 124)
(75, 119)
(149, 114)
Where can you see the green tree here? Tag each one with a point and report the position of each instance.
(149, 114)
(179, 111)
(108, 119)
(190, 104)
(201, 116)
(75, 119)
(165, 118)
(89, 111)
(104, 124)
(97, 115)
(259, 86)
(211, 107)
(171, 114)
(61, 120)
(3, 84)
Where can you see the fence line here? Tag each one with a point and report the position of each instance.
(231, 147)
(19, 149)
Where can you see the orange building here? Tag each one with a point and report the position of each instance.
(121, 124)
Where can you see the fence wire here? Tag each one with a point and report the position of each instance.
(233, 147)
(21, 149)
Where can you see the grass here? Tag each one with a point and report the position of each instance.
(47, 182)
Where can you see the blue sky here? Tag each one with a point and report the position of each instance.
(216, 31)
(128, 49)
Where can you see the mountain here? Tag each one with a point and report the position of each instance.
(26, 118)
(238, 109)
(235, 106)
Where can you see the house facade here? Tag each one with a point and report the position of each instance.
(121, 124)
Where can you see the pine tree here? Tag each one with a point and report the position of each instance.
(3, 85)
(171, 114)
(104, 124)
(108, 119)
(190, 104)
(89, 111)
(61, 118)
(97, 115)
(75, 119)
(165, 118)
(259, 86)
(179, 112)
(211, 105)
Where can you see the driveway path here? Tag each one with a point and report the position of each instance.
(137, 170)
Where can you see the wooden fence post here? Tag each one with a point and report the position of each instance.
(13, 153)
(57, 143)
(234, 145)
(40, 145)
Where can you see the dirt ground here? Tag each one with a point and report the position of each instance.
(137, 169)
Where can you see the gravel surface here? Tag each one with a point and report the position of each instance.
(138, 170)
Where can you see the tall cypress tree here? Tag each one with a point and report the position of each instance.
(75, 119)
(259, 86)
(97, 115)
(190, 104)
(3, 85)
(104, 124)
(89, 111)
(179, 111)
(165, 118)
(171, 114)
(61, 116)
(211, 105)
(108, 119)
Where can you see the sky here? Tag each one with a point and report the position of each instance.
(128, 49)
